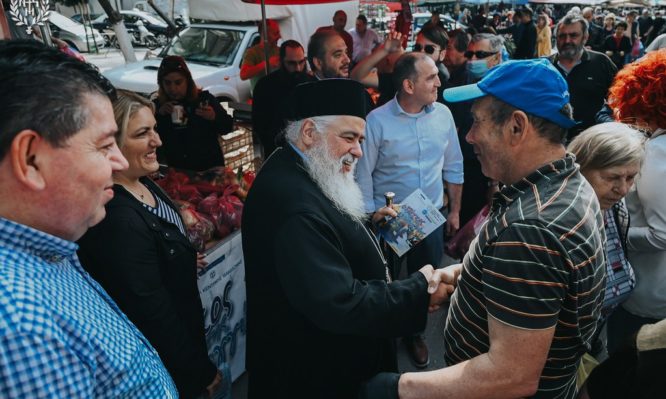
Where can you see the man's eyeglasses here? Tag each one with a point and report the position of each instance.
(479, 54)
(428, 48)
(295, 63)
(572, 35)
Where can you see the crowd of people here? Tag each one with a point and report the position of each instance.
(560, 295)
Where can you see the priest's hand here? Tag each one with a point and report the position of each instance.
(382, 386)
(441, 285)
(382, 213)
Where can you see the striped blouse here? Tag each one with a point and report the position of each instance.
(166, 212)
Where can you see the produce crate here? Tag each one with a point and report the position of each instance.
(238, 149)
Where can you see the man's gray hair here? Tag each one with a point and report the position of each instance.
(608, 145)
(573, 18)
(321, 123)
(496, 41)
(554, 133)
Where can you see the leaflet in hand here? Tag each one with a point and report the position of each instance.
(417, 218)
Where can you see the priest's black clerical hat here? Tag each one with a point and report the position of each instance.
(328, 97)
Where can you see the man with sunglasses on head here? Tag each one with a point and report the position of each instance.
(267, 105)
(588, 73)
(431, 40)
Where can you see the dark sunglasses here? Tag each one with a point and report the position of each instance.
(479, 54)
(428, 48)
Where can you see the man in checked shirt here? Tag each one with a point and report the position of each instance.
(61, 335)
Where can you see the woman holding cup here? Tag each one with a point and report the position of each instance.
(189, 119)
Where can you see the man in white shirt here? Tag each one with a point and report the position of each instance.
(365, 39)
(411, 143)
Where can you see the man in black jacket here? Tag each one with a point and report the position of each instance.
(321, 308)
(269, 94)
(596, 36)
(589, 74)
(526, 46)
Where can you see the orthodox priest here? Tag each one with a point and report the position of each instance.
(321, 308)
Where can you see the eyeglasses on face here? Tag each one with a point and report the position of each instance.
(572, 35)
(428, 48)
(479, 54)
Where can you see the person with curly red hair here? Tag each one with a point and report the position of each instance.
(638, 93)
(638, 96)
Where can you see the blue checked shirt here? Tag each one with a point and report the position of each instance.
(61, 335)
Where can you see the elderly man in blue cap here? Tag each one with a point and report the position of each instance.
(529, 290)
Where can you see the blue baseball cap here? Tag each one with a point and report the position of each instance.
(533, 86)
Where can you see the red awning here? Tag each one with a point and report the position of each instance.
(291, 2)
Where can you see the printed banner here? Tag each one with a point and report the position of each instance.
(222, 290)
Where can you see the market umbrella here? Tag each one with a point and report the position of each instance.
(263, 4)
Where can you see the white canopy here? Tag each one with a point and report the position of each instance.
(297, 22)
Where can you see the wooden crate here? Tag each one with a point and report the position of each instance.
(238, 149)
(235, 140)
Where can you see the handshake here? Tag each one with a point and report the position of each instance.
(441, 283)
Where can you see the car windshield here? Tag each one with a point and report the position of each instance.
(206, 45)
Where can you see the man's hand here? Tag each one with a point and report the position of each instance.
(382, 386)
(274, 62)
(441, 285)
(393, 42)
(452, 223)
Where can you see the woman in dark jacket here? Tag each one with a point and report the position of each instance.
(617, 46)
(140, 255)
(189, 119)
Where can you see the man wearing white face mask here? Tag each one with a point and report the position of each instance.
(483, 52)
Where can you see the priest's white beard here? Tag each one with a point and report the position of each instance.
(339, 187)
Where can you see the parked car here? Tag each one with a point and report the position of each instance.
(79, 17)
(213, 53)
(420, 18)
(153, 23)
(74, 33)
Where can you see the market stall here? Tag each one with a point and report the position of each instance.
(211, 204)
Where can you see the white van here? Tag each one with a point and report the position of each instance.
(213, 52)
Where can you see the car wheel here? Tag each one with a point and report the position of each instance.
(162, 39)
(151, 43)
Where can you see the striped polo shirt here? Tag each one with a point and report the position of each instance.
(537, 263)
